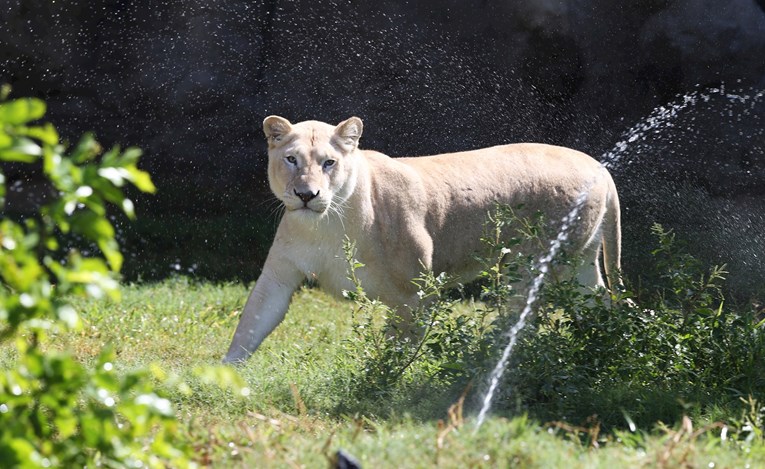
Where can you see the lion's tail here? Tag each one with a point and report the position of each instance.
(612, 239)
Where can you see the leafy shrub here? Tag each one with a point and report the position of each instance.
(586, 358)
(456, 346)
(55, 411)
(385, 359)
(680, 351)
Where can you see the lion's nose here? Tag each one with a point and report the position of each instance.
(306, 196)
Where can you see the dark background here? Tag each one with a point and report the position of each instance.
(191, 81)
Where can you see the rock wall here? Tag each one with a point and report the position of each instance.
(190, 81)
(152, 70)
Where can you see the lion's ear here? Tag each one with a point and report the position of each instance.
(275, 128)
(349, 131)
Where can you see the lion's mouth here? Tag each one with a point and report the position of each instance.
(307, 207)
(304, 209)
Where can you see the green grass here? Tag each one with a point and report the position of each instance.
(300, 406)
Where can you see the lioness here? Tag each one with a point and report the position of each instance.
(406, 214)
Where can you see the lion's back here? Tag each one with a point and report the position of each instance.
(462, 188)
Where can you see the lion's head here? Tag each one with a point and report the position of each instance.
(312, 165)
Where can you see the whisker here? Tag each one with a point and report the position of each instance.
(269, 200)
(338, 208)
(277, 208)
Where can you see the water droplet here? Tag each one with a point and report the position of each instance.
(84, 191)
(26, 300)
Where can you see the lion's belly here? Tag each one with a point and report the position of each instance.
(457, 233)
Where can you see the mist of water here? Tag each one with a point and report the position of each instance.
(542, 266)
(661, 118)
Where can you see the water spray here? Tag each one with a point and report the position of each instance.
(660, 117)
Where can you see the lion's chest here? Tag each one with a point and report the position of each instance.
(326, 265)
(316, 249)
(320, 255)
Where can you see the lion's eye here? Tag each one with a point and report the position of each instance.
(291, 159)
(328, 164)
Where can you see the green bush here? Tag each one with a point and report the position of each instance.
(54, 410)
(456, 346)
(586, 359)
(681, 351)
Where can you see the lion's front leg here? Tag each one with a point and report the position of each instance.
(265, 309)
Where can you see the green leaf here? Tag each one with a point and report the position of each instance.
(116, 176)
(141, 180)
(111, 157)
(104, 187)
(24, 451)
(128, 208)
(131, 156)
(225, 377)
(97, 228)
(68, 316)
(5, 139)
(66, 425)
(86, 149)
(111, 251)
(92, 225)
(85, 275)
(21, 111)
(91, 272)
(22, 150)
(45, 133)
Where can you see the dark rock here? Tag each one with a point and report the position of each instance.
(190, 81)
(344, 460)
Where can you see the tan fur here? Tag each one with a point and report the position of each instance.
(406, 213)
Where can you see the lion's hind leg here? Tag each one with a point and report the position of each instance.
(588, 272)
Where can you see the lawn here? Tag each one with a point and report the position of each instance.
(296, 405)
